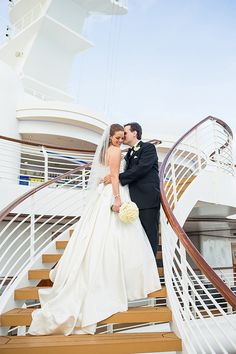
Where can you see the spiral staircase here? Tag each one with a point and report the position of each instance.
(195, 303)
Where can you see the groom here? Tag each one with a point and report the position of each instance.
(142, 177)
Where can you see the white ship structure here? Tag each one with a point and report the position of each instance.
(47, 146)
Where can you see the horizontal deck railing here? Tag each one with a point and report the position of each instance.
(30, 164)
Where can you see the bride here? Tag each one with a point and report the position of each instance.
(106, 262)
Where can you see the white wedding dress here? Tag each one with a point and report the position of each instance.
(105, 264)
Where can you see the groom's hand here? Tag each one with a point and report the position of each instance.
(107, 179)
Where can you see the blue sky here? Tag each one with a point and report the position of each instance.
(175, 63)
(166, 64)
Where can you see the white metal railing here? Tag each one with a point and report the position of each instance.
(29, 227)
(200, 312)
(31, 165)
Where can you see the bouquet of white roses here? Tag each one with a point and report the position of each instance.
(128, 212)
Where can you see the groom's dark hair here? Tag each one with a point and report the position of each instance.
(134, 126)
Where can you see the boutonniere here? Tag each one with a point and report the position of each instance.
(136, 148)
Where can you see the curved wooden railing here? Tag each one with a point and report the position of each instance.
(193, 296)
(183, 237)
(4, 212)
(37, 143)
(57, 147)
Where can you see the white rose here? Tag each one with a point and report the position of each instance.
(128, 212)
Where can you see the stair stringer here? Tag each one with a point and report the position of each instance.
(212, 187)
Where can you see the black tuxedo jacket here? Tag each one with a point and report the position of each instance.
(142, 176)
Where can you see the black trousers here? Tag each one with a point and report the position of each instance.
(150, 220)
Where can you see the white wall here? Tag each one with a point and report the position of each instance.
(216, 251)
(10, 93)
(217, 188)
(47, 62)
(69, 13)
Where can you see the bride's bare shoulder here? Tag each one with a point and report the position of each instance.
(113, 154)
(114, 150)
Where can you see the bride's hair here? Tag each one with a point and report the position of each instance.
(97, 169)
(115, 128)
(106, 140)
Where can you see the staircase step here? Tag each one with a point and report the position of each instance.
(51, 258)
(100, 344)
(141, 314)
(22, 317)
(27, 293)
(159, 293)
(31, 293)
(40, 274)
(54, 257)
(63, 244)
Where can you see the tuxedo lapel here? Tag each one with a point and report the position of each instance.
(127, 158)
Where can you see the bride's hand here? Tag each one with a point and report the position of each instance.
(107, 179)
(117, 204)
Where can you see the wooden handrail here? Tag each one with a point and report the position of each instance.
(223, 289)
(50, 146)
(59, 147)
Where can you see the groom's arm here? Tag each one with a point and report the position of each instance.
(145, 164)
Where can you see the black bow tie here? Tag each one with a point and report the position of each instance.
(131, 149)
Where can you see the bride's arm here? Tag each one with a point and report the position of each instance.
(114, 164)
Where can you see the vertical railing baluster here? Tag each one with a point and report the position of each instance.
(32, 229)
(83, 179)
(198, 151)
(45, 164)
